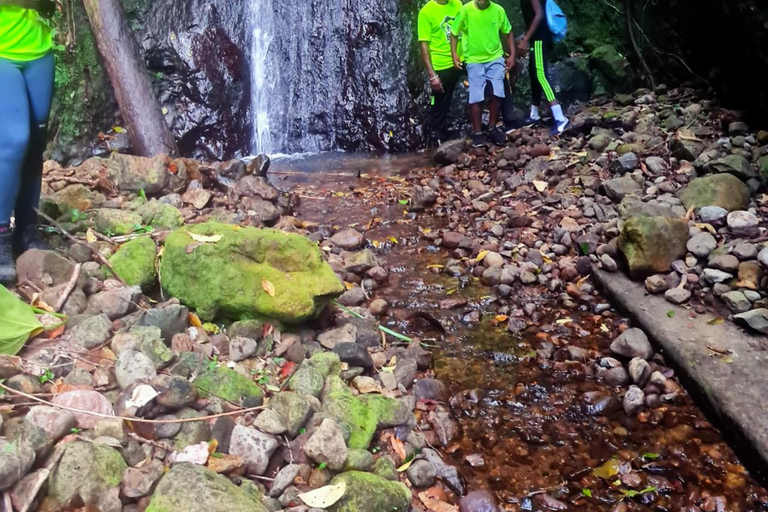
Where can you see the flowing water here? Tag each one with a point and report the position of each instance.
(529, 431)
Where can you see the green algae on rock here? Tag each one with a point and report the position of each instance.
(223, 382)
(134, 262)
(86, 473)
(367, 492)
(237, 268)
(723, 190)
(192, 488)
(651, 244)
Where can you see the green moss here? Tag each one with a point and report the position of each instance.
(86, 470)
(192, 488)
(359, 419)
(237, 269)
(225, 383)
(307, 381)
(325, 363)
(134, 262)
(367, 492)
(110, 221)
(162, 216)
(389, 412)
(723, 190)
(651, 244)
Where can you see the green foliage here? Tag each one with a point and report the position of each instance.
(19, 323)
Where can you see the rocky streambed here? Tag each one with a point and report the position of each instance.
(214, 371)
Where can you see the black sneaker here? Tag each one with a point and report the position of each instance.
(7, 263)
(497, 136)
(530, 121)
(479, 140)
(26, 238)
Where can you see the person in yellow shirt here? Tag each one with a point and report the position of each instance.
(434, 27)
(26, 93)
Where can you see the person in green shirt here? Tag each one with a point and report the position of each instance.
(26, 93)
(434, 28)
(484, 25)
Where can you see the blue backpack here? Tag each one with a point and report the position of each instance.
(558, 23)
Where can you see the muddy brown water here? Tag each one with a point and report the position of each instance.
(527, 432)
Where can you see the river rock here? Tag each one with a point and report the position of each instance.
(618, 188)
(90, 474)
(294, 408)
(347, 333)
(112, 222)
(56, 422)
(634, 399)
(736, 302)
(430, 389)
(639, 370)
(242, 348)
(713, 276)
(712, 214)
(633, 343)
(174, 392)
(161, 216)
(725, 262)
(193, 488)
(136, 173)
(723, 190)
(354, 355)
(745, 251)
(16, 458)
(421, 473)
(616, 377)
(448, 152)
(481, 500)
(677, 295)
(327, 445)
(135, 262)
(651, 244)
(171, 319)
(133, 366)
(446, 472)
(757, 319)
(367, 492)
(264, 258)
(254, 447)
(702, 244)
(742, 220)
(628, 162)
(227, 384)
(348, 239)
(115, 303)
(736, 165)
(140, 481)
(256, 187)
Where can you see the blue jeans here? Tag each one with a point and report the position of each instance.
(26, 92)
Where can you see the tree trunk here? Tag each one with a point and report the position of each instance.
(138, 104)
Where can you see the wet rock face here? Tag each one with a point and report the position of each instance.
(201, 61)
(339, 81)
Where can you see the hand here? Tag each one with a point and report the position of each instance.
(457, 62)
(522, 46)
(511, 62)
(436, 83)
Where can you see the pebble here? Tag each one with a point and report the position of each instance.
(421, 473)
(481, 500)
(634, 399)
(762, 257)
(677, 295)
(713, 276)
(609, 264)
(639, 370)
(712, 213)
(725, 262)
(656, 284)
(133, 366)
(741, 220)
(702, 244)
(378, 307)
(736, 302)
(633, 343)
(745, 251)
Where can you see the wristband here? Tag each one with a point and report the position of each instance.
(432, 79)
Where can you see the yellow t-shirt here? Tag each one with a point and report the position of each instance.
(435, 22)
(24, 36)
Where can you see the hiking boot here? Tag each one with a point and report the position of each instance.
(479, 140)
(7, 263)
(497, 136)
(26, 238)
(560, 127)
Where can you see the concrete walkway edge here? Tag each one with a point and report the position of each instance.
(737, 391)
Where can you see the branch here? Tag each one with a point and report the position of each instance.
(648, 72)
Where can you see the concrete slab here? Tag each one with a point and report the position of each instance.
(735, 385)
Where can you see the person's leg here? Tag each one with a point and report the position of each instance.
(494, 73)
(477, 79)
(39, 78)
(441, 103)
(541, 52)
(507, 107)
(535, 86)
(14, 139)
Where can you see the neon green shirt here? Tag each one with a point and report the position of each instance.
(23, 34)
(435, 22)
(481, 28)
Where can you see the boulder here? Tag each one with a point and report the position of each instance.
(651, 244)
(89, 474)
(737, 165)
(193, 488)
(723, 190)
(367, 492)
(242, 266)
(136, 173)
(134, 262)
(448, 152)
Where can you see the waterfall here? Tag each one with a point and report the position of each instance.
(334, 74)
(260, 80)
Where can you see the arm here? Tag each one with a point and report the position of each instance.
(537, 19)
(509, 39)
(426, 58)
(455, 51)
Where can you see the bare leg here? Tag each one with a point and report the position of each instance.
(495, 106)
(475, 113)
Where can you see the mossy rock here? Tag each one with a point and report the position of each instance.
(307, 381)
(389, 412)
(325, 363)
(192, 432)
(367, 492)
(651, 244)
(110, 221)
(239, 269)
(192, 488)
(161, 216)
(723, 190)
(86, 472)
(226, 383)
(134, 262)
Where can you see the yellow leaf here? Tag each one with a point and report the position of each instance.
(211, 328)
(392, 239)
(541, 186)
(435, 266)
(716, 321)
(90, 236)
(604, 328)
(564, 321)
(708, 227)
(268, 287)
(348, 286)
(607, 470)
(118, 129)
(481, 256)
(205, 239)
(405, 466)
(324, 497)
(501, 318)
(194, 320)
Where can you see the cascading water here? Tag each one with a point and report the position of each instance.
(334, 74)
(260, 83)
